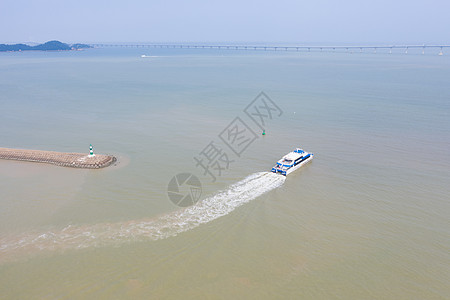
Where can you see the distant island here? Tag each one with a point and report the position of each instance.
(49, 46)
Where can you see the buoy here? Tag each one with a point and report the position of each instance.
(264, 132)
(91, 150)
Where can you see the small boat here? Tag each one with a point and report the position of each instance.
(292, 161)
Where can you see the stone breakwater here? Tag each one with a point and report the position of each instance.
(73, 160)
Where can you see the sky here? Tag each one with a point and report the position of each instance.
(300, 22)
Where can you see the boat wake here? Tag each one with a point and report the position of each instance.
(168, 225)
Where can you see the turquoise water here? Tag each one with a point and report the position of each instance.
(367, 219)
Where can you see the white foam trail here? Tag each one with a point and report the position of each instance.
(171, 224)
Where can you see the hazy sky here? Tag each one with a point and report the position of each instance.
(299, 22)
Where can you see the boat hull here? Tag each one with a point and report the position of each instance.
(292, 169)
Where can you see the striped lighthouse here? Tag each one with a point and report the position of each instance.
(91, 150)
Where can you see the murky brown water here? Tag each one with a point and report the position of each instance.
(367, 219)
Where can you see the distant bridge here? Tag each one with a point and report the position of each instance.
(374, 48)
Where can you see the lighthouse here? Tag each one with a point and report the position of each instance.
(91, 151)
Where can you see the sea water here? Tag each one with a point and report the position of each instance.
(366, 219)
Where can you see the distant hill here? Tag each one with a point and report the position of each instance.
(49, 46)
(52, 45)
(80, 46)
(16, 47)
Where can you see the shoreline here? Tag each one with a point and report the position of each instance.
(72, 160)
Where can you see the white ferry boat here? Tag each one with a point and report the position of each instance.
(292, 161)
